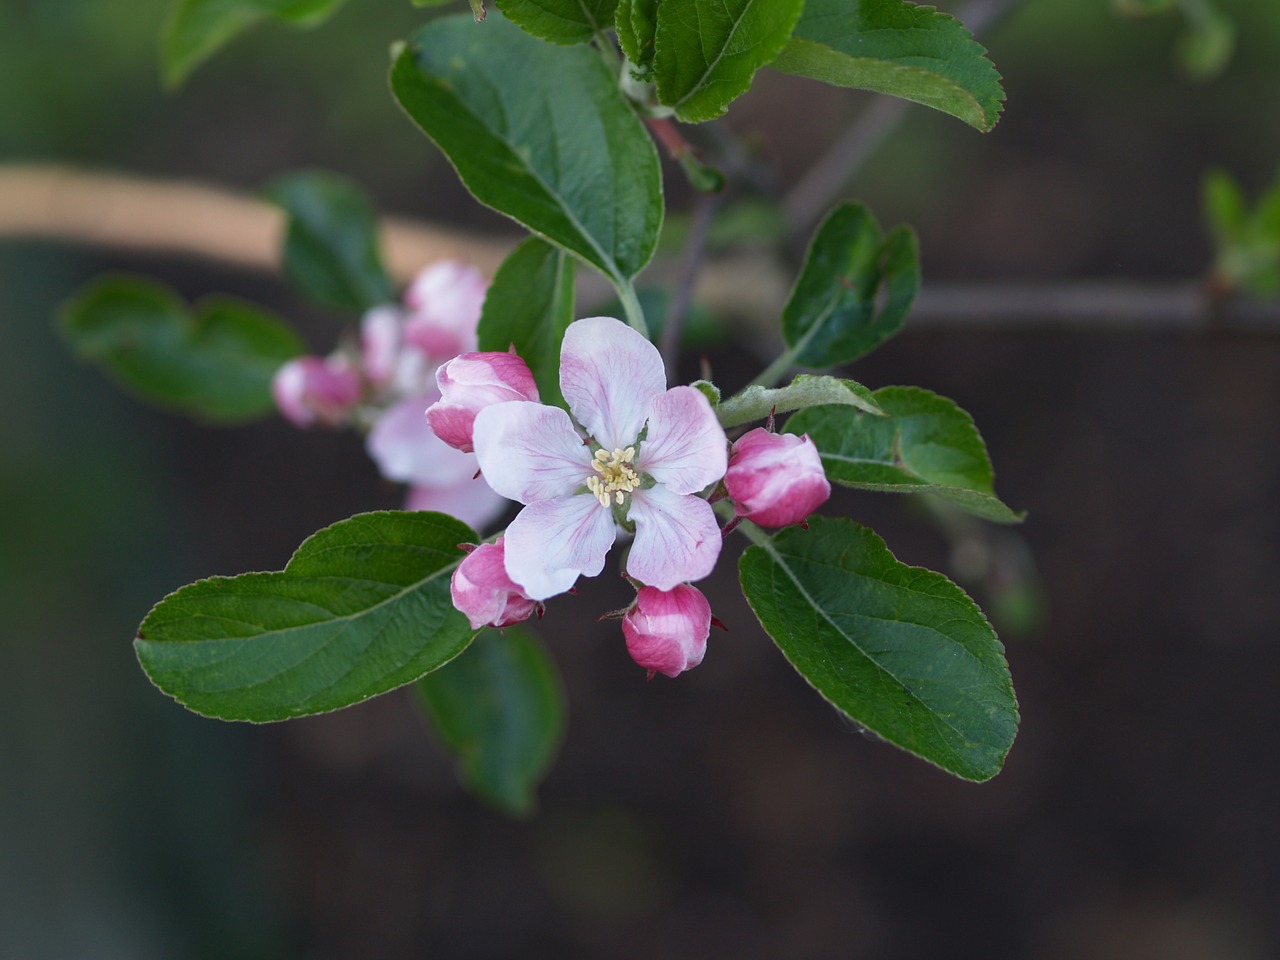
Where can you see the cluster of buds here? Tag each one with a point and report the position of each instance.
(634, 459)
(382, 384)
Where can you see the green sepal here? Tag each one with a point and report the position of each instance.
(757, 402)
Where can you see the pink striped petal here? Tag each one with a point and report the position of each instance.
(685, 448)
(677, 538)
(553, 542)
(471, 501)
(444, 303)
(608, 375)
(529, 451)
(405, 449)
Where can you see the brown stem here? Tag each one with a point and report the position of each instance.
(210, 223)
(194, 220)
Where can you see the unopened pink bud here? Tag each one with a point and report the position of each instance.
(667, 630)
(471, 382)
(311, 390)
(444, 302)
(775, 479)
(482, 590)
(381, 332)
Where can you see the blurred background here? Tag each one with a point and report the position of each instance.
(730, 813)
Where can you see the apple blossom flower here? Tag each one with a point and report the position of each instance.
(386, 384)
(468, 383)
(311, 390)
(775, 479)
(401, 346)
(667, 630)
(647, 453)
(482, 590)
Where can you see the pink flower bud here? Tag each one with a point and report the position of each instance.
(381, 330)
(444, 302)
(311, 390)
(471, 382)
(775, 479)
(482, 590)
(667, 630)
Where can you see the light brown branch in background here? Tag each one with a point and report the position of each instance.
(171, 218)
(187, 219)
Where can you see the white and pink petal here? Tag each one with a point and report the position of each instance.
(553, 542)
(608, 374)
(405, 449)
(529, 451)
(470, 500)
(677, 538)
(685, 449)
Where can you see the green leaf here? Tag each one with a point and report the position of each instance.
(1246, 237)
(560, 21)
(926, 444)
(198, 28)
(361, 608)
(1141, 8)
(499, 708)
(331, 245)
(530, 305)
(898, 48)
(757, 402)
(901, 650)
(1225, 206)
(707, 51)
(215, 365)
(636, 22)
(540, 134)
(854, 291)
(1206, 46)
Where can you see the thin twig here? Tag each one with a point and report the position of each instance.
(1089, 306)
(827, 177)
(695, 247)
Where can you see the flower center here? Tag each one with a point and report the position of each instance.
(615, 476)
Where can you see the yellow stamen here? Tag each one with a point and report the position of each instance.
(616, 477)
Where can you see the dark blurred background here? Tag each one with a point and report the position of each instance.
(730, 813)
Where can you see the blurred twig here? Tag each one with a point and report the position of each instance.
(704, 211)
(209, 223)
(814, 192)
